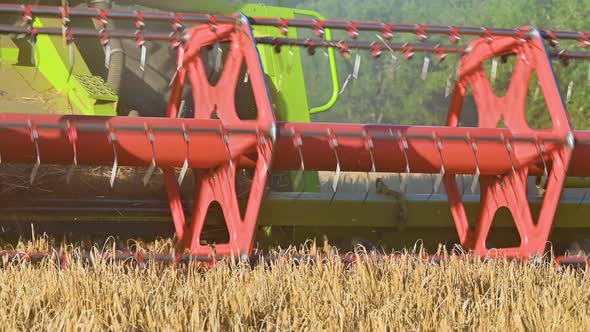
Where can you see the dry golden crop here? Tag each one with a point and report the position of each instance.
(405, 294)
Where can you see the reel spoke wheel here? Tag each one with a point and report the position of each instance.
(509, 189)
(218, 185)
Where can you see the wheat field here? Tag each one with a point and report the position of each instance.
(289, 295)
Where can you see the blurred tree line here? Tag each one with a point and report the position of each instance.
(392, 90)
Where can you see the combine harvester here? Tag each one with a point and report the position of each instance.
(220, 98)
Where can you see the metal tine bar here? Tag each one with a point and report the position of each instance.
(184, 168)
(345, 45)
(411, 48)
(150, 171)
(368, 45)
(387, 28)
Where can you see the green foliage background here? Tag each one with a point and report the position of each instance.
(393, 92)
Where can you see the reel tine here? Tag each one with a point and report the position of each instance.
(150, 171)
(425, 66)
(462, 177)
(35, 137)
(107, 55)
(143, 57)
(140, 39)
(33, 49)
(71, 171)
(113, 139)
(345, 84)
(441, 174)
(71, 57)
(494, 73)
(185, 164)
(71, 53)
(545, 176)
(509, 150)
(404, 182)
(370, 147)
(181, 109)
(72, 135)
(179, 63)
(477, 173)
(357, 66)
(34, 55)
(218, 57)
(299, 143)
(537, 89)
(449, 86)
(226, 141)
(262, 141)
(353, 75)
(570, 88)
(334, 144)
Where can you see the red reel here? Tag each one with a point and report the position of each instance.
(218, 184)
(509, 190)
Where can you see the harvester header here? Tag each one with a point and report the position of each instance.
(227, 133)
